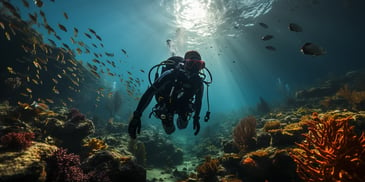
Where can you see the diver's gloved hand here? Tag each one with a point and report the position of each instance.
(196, 125)
(135, 125)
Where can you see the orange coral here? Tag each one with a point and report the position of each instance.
(94, 144)
(244, 133)
(331, 152)
(271, 125)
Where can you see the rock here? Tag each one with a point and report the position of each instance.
(116, 166)
(26, 165)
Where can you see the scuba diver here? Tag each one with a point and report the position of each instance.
(178, 90)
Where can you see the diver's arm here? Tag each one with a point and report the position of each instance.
(159, 84)
(145, 100)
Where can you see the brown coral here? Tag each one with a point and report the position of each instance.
(244, 133)
(208, 171)
(331, 152)
(351, 96)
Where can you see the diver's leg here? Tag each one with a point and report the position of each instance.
(167, 123)
(182, 120)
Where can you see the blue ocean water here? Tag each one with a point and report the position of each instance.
(227, 33)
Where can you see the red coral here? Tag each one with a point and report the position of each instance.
(63, 166)
(17, 141)
(244, 133)
(331, 152)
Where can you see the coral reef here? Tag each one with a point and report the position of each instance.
(208, 171)
(160, 152)
(17, 141)
(71, 132)
(138, 149)
(25, 165)
(244, 133)
(353, 98)
(270, 125)
(65, 167)
(93, 145)
(114, 166)
(75, 115)
(332, 151)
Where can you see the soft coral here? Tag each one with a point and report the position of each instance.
(18, 141)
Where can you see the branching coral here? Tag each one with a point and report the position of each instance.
(17, 141)
(63, 166)
(331, 152)
(93, 145)
(208, 170)
(244, 133)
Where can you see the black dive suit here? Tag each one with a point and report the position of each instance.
(177, 92)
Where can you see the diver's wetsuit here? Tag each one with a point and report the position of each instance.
(182, 86)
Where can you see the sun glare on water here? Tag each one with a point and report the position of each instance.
(195, 16)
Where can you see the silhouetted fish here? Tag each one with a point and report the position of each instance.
(312, 49)
(267, 37)
(271, 48)
(39, 3)
(295, 27)
(62, 27)
(263, 25)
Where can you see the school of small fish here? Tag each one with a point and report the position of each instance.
(99, 66)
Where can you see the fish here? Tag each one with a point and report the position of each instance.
(11, 70)
(34, 17)
(50, 101)
(76, 31)
(49, 28)
(39, 3)
(72, 40)
(25, 3)
(124, 52)
(42, 14)
(312, 49)
(109, 54)
(53, 43)
(66, 46)
(295, 27)
(267, 37)
(92, 31)
(65, 15)
(7, 35)
(79, 51)
(98, 37)
(271, 48)
(88, 35)
(54, 81)
(36, 64)
(263, 25)
(55, 90)
(2, 25)
(62, 27)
